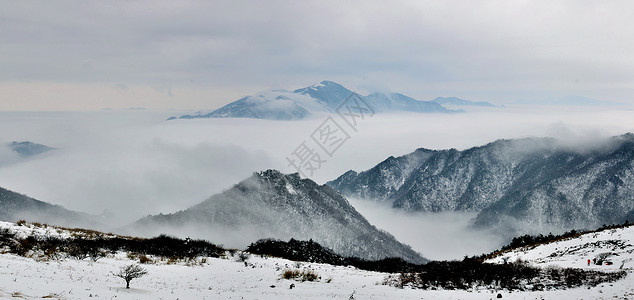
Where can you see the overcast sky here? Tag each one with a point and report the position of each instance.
(76, 55)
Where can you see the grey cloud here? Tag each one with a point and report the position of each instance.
(417, 48)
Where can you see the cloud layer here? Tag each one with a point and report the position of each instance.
(134, 163)
(201, 54)
(440, 236)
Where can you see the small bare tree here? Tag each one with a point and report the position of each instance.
(130, 272)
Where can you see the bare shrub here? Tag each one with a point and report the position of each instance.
(309, 275)
(130, 272)
(290, 274)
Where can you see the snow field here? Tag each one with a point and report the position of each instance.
(260, 278)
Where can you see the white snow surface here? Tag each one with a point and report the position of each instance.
(575, 252)
(227, 278)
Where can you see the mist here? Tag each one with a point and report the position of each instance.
(436, 236)
(7, 156)
(134, 163)
(225, 236)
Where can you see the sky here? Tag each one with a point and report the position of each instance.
(90, 55)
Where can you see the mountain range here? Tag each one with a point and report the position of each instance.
(461, 102)
(270, 204)
(326, 96)
(531, 185)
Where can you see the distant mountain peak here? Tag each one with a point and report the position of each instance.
(325, 84)
(26, 148)
(325, 96)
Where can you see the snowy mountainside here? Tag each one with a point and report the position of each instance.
(593, 265)
(325, 96)
(274, 105)
(328, 93)
(233, 275)
(616, 245)
(522, 186)
(270, 204)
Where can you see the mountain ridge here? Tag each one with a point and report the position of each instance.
(461, 102)
(270, 204)
(523, 186)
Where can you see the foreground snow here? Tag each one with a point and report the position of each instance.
(575, 252)
(227, 278)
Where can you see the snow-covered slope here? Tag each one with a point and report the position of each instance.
(328, 93)
(616, 245)
(325, 96)
(609, 250)
(228, 277)
(273, 205)
(274, 105)
(527, 186)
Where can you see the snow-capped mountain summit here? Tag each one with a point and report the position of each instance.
(329, 93)
(524, 186)
(325, 96)
(270, 204)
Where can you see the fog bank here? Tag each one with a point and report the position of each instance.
(134, 163)
(437, 236)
